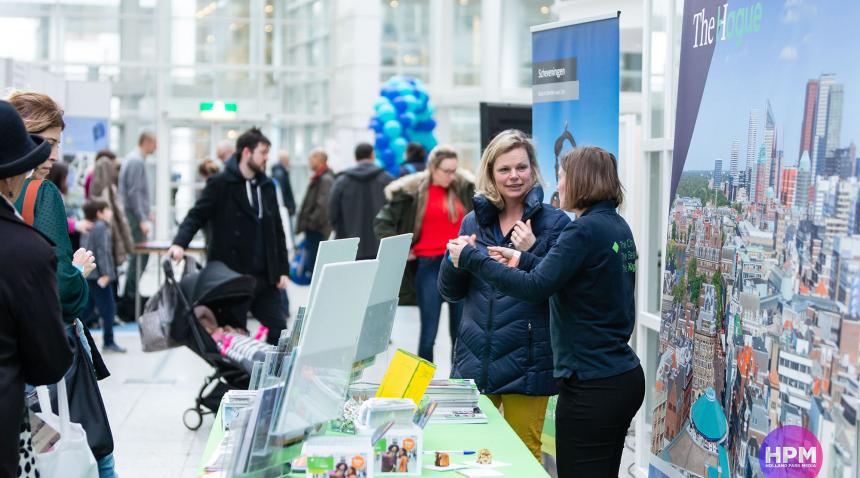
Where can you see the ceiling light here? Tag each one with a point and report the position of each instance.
(394, 3)
(269, 8)
(268, 28)
(544, 9)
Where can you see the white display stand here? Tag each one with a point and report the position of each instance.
(382, 306)
(322, 367)
(330, 252)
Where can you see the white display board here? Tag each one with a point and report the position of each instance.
(330, 252)
(320, 375)
(382, 306)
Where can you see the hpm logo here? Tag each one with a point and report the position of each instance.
(791, 452)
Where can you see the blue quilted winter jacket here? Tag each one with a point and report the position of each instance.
(504, 343)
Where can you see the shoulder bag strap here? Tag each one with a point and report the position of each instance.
(28, 212)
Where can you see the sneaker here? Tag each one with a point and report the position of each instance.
(113, 348)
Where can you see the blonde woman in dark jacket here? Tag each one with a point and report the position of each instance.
(431, 205)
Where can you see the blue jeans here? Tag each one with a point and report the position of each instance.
(103, 298)
(106, 466)
(430, 306)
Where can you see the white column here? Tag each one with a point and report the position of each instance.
(356, 55)
(491, 41)
(162, 129)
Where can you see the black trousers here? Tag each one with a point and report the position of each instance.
(591, 422)
(267, 307)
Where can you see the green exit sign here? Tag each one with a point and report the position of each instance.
(218, 110)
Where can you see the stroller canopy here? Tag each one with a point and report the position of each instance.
(217, 283)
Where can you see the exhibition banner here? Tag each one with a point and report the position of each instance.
(757, 370)
(574, 90)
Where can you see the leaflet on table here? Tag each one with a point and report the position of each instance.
(472, 415)
(328, 456)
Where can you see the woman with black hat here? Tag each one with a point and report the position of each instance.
(33, 344)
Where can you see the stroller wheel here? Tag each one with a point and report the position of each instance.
(192, 419)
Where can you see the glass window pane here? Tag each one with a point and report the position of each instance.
(405, 38)
(467, 43)
(517, 19)
(30, 34)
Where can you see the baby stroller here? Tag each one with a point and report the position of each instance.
(228, 295)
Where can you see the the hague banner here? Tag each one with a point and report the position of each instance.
(759, 346)
(574, 90)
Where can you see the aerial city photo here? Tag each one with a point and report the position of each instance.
(761, 287)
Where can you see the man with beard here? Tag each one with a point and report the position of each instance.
(240, 207)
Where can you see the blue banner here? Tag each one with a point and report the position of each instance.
(575, 88)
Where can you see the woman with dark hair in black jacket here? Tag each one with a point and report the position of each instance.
(589, 276)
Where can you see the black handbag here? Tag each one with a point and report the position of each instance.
(85, 399)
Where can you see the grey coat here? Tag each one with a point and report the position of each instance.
(100, 243)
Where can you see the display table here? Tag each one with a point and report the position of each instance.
(495, 435)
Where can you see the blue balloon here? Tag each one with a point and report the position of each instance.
(392, 129)
(387, 156)
(411, 102)
(406, 120)
(429, 143)
(424, 125)
(381, 142)
(400, 104)
(390, 92)
(398, 145)
(375, 125)
(386, 113)
(379, 102)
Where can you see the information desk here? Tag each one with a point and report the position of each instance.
(495, 435)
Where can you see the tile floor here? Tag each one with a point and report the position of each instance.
(148, 392)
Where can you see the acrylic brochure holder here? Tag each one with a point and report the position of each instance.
(331, 252)
(382, 306)
(320, 375)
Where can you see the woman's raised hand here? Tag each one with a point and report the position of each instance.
(522, 235)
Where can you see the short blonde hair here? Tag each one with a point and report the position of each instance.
(439, 154)
(39, 111)
(502, 143)
(591, 176)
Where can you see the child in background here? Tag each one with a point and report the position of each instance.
(101, 288)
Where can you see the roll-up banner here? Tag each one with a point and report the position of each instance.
(757, 370)
(574, 90)
(575, 68)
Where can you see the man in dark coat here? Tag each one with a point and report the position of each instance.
(313, 215)
(33, 344)
(357, 195)
(240, 207)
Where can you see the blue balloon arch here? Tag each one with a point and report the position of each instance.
(403, 113)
